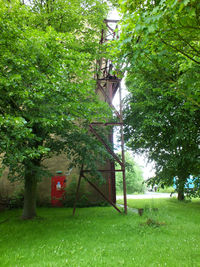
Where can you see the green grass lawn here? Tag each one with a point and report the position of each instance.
(103, 237)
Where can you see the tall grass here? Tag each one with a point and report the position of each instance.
(103, 237)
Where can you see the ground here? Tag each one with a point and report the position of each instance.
(102, 237)
(147, 195)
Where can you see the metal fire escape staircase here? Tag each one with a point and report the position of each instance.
(107, 86)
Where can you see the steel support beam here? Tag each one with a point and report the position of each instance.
(101, 193)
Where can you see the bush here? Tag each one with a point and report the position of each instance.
(83, 196)
(13, 202)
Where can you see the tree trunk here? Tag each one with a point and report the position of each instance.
(181, 189)
(29, 210)
(181, 195)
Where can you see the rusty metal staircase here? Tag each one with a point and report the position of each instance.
(107, 87)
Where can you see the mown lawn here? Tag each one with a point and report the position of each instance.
(102, 237)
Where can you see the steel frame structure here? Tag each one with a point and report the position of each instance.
(107, 87)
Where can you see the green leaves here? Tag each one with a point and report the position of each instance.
(160, 49)
(47, 91)
(134, 176)
(158, 122)
(154, 30)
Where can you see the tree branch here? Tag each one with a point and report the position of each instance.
(180, 51)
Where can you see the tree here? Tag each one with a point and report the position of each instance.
(153, 29)
(134, 178)
(159, 47)
(160, 125)
(47, 91)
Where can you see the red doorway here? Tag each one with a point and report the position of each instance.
(58, 184)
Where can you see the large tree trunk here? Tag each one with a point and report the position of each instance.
(181, 195)
(181, 189)
(32, 167)
(29, 210)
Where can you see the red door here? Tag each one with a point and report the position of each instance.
(58, 184)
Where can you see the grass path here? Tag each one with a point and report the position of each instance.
(101, 237)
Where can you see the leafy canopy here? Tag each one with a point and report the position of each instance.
(151, 30)
(160, 50)
(47, 96)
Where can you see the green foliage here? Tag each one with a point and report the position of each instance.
(151, 31)
(83, 196)
(12, 202)
(159, 46)
(47, 96)
(162, 126)
(70, 195)
(169, 189)
(134, 178)
(46, 82)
